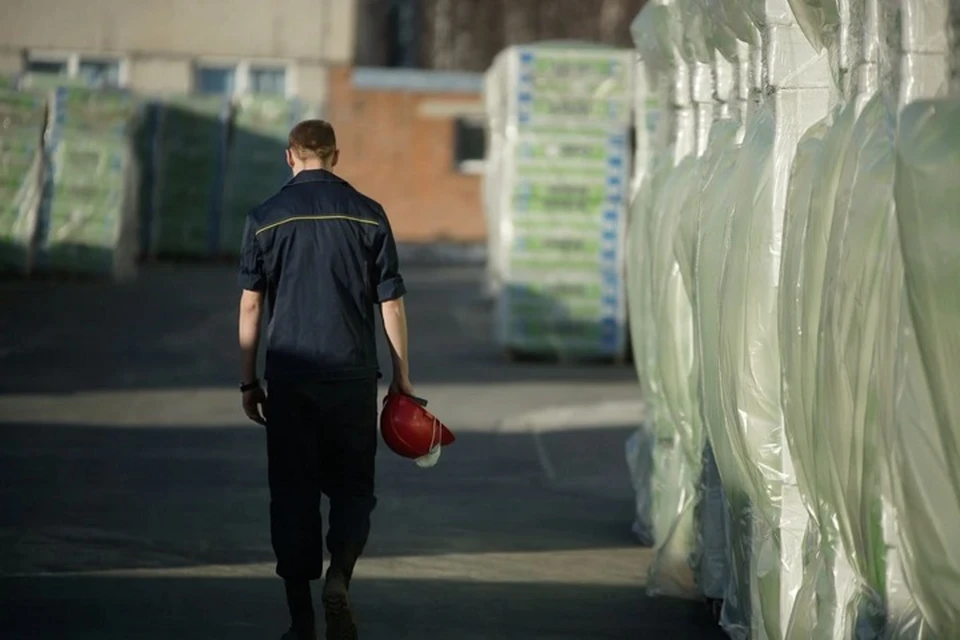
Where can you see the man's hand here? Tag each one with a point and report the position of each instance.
(252, 403)
(404, 387)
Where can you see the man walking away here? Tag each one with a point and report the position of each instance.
(323, 256)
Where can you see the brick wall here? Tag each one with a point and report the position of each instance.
(397, 146)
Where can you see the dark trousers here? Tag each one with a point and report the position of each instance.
(321, 439)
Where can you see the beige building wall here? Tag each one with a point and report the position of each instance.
(10, 61)
(160, 42)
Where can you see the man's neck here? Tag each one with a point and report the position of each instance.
(313, 166)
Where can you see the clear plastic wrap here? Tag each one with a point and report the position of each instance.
(925, 440)
(797, 360)
(861, 246)
(656, 33)
(812, 611)
(709, 502)
(718, 35)
(774, 519)
(639, 453)
(493, 90)
(697, 28)
(955, 48)
(676, 424)
(750, 406)
(640, 314)
(819, 20)
(716, 206)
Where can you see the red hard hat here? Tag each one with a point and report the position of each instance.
(409, 429)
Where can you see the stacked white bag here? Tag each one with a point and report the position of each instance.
(557, 183)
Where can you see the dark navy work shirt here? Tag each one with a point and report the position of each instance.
(324, 255)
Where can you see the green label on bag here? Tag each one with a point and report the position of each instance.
(576, 223)
(590, 150)
(567, 72)
(572, 107)
(544, 198)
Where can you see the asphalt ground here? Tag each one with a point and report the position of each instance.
(133, 498)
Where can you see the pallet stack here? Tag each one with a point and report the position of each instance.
(87, 223)
(255, 167)
(22, 118)
(556, 198)
(189, 144)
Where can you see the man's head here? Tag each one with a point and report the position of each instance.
(312, 145)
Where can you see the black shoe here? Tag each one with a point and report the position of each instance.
(336, 607)
(293, 635)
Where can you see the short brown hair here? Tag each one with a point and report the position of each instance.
(313, 137)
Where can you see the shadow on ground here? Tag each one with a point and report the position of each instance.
(485, 545)
(175, 327)
(97, 608)
(81, 498)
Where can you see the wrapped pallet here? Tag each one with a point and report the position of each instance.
(790, 81)
(654, 33)
(924, 439)
(189, 147)
(563, 179)
(88, 220)
(22, 119)
(255, 166)
(922, 426)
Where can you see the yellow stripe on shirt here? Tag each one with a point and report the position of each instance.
(330, 217)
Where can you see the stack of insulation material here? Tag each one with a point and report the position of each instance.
(22, 120)
(556, 198)
(824, 305)
(88, 219)
(189, 146)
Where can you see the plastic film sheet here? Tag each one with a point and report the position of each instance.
(710, 561)
(862, 252)
(731, 18)
(914, 50)
(790, 61)
(925, 443)
(819, 20)
(697, 28)
(750, 406)
(677, 424)
(954, 48)
(769, 516)
(656, 34)
(813, 608)
(716, 207)
(642, 446)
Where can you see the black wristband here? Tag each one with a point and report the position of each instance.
(249, 386)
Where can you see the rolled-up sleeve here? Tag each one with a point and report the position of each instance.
(251, 276)
(389, 282)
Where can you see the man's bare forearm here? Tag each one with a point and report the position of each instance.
(251, 308)
(395, 326)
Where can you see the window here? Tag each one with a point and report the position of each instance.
(48, 67)
(470, 145)
(99, 73)
(215, 80)
(92, 72)
(402, 28)
(268, 80)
